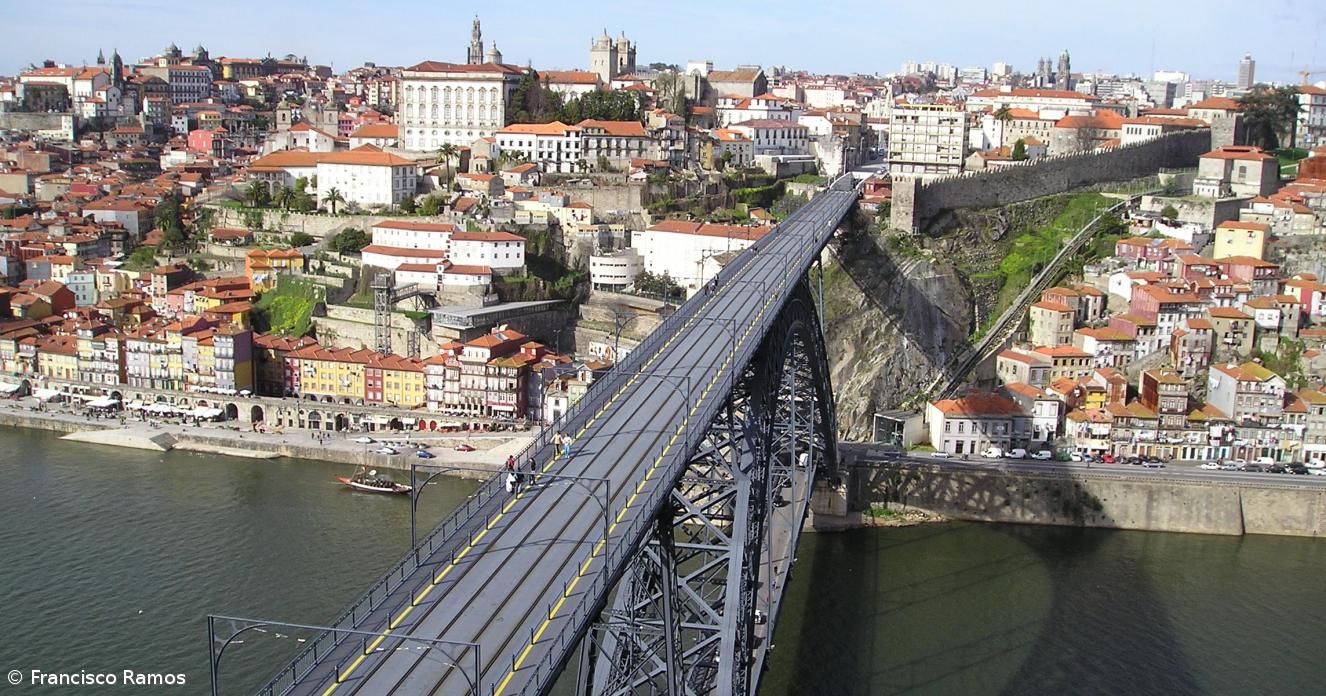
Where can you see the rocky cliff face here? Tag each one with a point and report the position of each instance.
(898, 308)
(893, 319)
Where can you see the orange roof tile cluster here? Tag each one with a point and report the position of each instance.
(978, 405)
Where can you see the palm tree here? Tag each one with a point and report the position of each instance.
(1003, 115)
(258, 194)
(445, 154)
(333, 197)
(283, 197)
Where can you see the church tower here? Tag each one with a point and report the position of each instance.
(1064, 79)
(101, 57)
(603, 58)
(625, 55)
(475, 56)
(493, 55)
(117, 69)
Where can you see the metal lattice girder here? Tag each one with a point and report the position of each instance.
(684, 619)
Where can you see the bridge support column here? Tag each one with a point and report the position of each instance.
(689, 616)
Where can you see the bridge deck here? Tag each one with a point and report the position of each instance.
(528, 570)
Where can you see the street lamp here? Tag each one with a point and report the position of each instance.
(245, 624)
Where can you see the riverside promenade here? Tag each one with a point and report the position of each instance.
(229, 439)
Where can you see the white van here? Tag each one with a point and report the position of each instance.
(992, 452)
(1016, 453)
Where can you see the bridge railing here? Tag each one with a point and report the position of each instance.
(484, 502)
(592, 596)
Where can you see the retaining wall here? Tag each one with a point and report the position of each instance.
(916, 204)
(1142, 503)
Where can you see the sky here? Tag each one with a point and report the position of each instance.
(841, 36)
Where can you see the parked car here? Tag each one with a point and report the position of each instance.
(1251, 467)
(1264, 461)
(1108, 458)
(1078, 457)
(1230, 466)
(462, 447)
(1317, 472)
(1043, 455)
(1209, 465)
(364, 440)
(1296, 469)
(1276, 469)
(940, 454)
(992, 452)
(1016, 453)
(1315, 464)
(1153, 463)
(387, 450)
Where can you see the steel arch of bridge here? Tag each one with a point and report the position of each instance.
(696, 610)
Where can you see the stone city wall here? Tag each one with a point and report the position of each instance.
(918, 205)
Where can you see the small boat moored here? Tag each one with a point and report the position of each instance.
(370, 482)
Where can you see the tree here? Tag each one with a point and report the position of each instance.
(301, 239)
(408, 205)
(283, 197)
(725, 159)
(1270, 113)
(1019, 150)
(1169, 212)
(333, 197)
(258, 194)
(350, 241)
(1003, 115)
(431, 205)
(445, 155)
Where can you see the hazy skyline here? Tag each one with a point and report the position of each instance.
(842, 37)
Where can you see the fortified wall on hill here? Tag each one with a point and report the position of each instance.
(917, 206)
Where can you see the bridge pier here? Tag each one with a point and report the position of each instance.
(695, 612)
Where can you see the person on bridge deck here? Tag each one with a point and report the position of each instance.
(511, 483)
(566, 448)
(510, 463)
(557, 440)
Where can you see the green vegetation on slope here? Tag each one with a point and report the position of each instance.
(288, 308)
(1032, 248)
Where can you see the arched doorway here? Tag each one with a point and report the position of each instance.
(232, 412)
(341, 422)
(117, 395)
(256, 414)
(314, 420)
(396, 424)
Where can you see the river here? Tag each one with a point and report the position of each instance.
(110, 559)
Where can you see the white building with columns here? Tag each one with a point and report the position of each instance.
(453, 103)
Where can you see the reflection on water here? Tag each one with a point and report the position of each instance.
(1001, 609)
(110, 559)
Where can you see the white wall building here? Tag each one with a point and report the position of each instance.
(686, 250)
(500, 251)
(407, 234)
(555, 147)
(614, 272)
(452, 103)
(775, 137)
(367, 176)
(927, 139)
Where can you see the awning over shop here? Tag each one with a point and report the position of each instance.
(7, 388)
(104, 402)
(47, 394)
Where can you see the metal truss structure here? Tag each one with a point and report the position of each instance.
(695, 611)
